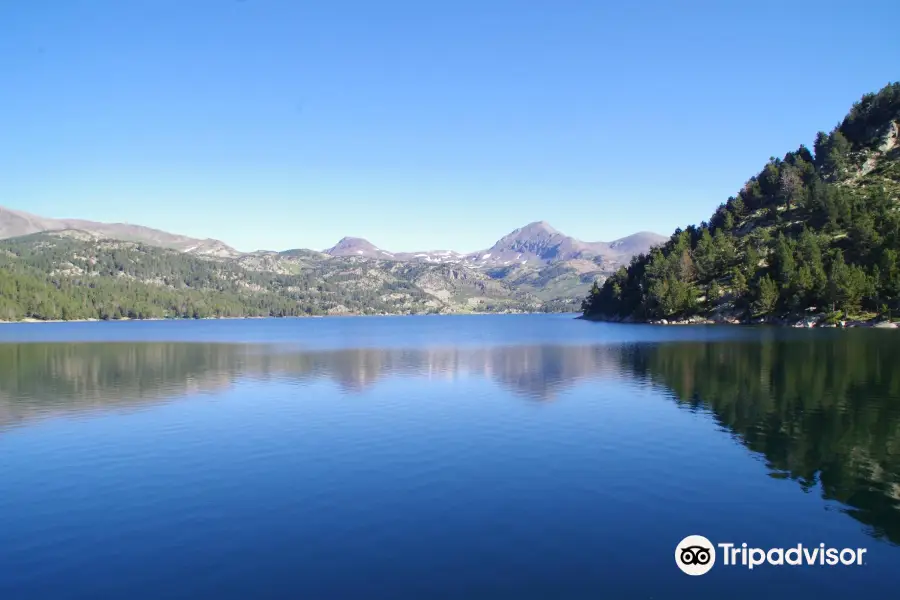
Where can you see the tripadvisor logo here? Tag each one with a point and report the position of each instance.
(696, 555)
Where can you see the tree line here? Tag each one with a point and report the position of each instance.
(818, 228)
(50, 277)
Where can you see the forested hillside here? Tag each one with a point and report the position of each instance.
(815, 233)
(74, 275)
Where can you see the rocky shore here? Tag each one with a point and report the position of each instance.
(816, 320)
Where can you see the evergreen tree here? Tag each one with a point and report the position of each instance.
(738, 282)
(784, 265)
(712, 293)
(766, 295)
(837, 155)
(807, 230)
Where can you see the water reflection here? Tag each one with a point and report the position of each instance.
(823, 411)
(42, 379)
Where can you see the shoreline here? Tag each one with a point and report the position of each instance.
(810, 322)
(350, 315)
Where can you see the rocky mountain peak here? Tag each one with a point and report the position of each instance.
(537, 228)
(354, 246)
(352, 243)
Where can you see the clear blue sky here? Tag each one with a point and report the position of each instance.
(417, 124)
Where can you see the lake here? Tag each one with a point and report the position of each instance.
(514, 456)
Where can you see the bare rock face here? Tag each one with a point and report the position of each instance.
(891, 138)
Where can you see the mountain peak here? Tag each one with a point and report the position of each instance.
(538, 227)
(355, 246)
(354, 241)
(637, 243)
(351, 243)
(539, 243)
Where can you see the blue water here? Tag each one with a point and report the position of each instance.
(441, 457)
(381, 332)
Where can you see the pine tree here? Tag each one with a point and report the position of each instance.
(784, 265)
(712, 293)
(738, 282)
(837, 155)
(766, 295)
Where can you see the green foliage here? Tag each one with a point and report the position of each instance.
(868, 116)
(766, 295)
(738, 282)
(712, 293)
(705, 255)
(806, 231)
(836, 159)
(847, 284)
(834, 318)
(51, 277)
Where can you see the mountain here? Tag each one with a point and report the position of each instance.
(353, 246)
(73, 275)
(536, 244)
(16, 223)
(634, 244)
(813, 238)
(535, 259)
(71, 268)
(540, 244)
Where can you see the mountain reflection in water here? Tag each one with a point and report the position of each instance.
(824, 412)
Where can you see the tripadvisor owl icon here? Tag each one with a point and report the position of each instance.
(695, 555)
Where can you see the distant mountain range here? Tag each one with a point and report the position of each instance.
(536, 244)
(14, 223)
(354, 246)
(111, 270)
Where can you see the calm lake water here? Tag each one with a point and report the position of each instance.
(441, 457)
